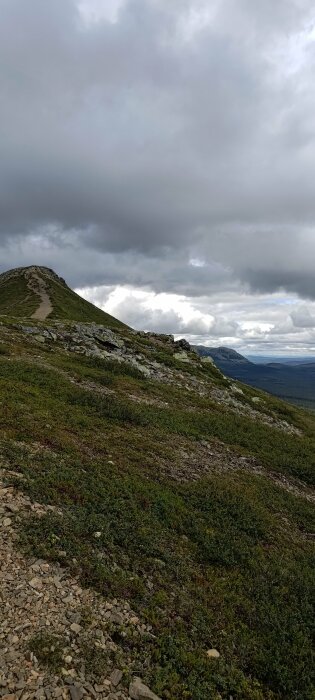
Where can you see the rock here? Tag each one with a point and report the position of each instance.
(183, 344)
(134, 620)
(139, 691)
(40, 338)
(117, 618)
(12, 507)
(75, 628)
(57, 582)
(6, 522)
(142, 368)
(36, 583)
(76, 692)
(213, 654)
(207, 360)
(256, 399)
(236, 389)
(74, 617)
(181, 356)
(115, 677)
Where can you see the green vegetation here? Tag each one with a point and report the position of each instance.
(48, 649)
(207, 547)
(16, 299)
(208, 565)
(225, 562)
(69, 305)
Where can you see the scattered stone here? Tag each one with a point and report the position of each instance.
(181, 356)
(6, 522)
(139, 691)
(76, 692)
(75, 628)
(115, 677)
(36, 583)
(207, 360)
(12, 507)
(40, 338)
(236, 389)
(213, 654)
(117, 618)
(39, 598)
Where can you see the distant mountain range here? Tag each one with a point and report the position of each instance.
(282, 360)
(292, 379)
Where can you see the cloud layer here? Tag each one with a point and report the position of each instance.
(169, 147)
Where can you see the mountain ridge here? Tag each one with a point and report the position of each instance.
(222, 354)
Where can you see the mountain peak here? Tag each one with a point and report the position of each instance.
(38, 292)
(30, 271)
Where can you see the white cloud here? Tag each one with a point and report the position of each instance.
(95, 11)
(252, 324)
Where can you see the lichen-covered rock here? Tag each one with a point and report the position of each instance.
(207, 360)
(182, 356)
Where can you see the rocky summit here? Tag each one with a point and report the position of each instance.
(157, 517)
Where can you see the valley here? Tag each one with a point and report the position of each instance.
(292, 381)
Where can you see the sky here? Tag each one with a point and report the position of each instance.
(160, 156)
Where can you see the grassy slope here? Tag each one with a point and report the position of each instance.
(16, 299)
(69, 305)
(224, 562)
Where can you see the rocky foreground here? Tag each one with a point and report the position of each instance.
(39, 600)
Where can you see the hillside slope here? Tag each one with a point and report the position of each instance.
(37, 292)
(157, 521)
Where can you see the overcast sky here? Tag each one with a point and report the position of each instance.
(160, 155)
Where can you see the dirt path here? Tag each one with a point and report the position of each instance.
(39, 287)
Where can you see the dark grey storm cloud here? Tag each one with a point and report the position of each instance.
(181, 131)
